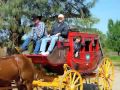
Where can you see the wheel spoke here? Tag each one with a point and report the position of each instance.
(76, 80)
(77, 85)
(110, 79)
(73, 78)
(70, 75)
(107, 67)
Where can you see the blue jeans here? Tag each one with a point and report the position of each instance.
(53, 39)
(37, 44)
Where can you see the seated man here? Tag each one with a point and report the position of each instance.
(37, 33)
(59, 30)
(77, 46)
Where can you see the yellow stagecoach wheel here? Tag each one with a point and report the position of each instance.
(71, 80)
(105, 75)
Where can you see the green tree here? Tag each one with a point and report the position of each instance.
(47, 8)
(113, 35)
(87, 22)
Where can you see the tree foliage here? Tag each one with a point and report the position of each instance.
(113, 35)
(85, 22)
(47, 8)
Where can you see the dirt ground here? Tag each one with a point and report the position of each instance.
(116, 84)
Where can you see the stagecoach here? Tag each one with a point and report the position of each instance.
(90, 67)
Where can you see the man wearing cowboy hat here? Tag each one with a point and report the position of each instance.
(60, 29)
(37, 33)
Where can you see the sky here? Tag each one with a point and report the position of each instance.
(105, 10)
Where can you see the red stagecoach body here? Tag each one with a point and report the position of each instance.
(89, 58)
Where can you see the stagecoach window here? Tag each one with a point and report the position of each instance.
(87, 44)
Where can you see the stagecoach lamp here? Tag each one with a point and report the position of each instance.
(87, 57)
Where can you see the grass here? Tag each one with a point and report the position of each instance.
(115, 60)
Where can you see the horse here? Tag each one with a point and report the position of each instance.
(18, 68)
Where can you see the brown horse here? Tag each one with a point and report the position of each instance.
(18, 68)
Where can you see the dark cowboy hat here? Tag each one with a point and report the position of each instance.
(34, 17)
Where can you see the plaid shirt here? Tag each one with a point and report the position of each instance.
(38, 31)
